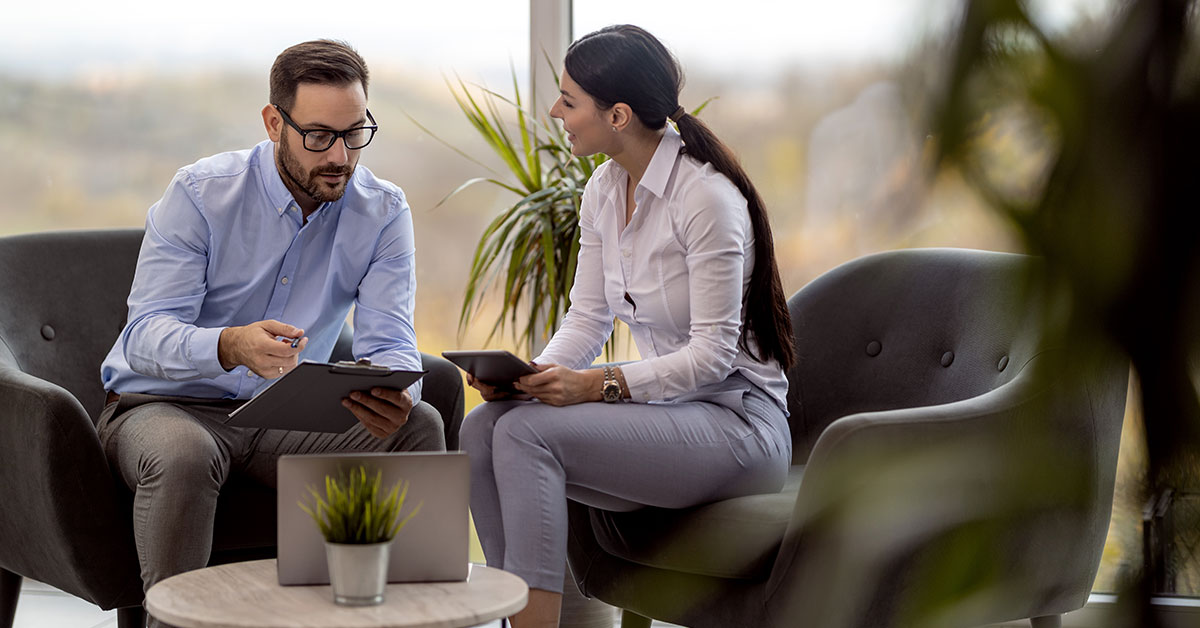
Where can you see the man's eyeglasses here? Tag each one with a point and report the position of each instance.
(319, 140)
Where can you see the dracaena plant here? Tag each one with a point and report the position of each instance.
(353, 511)
(529, 251)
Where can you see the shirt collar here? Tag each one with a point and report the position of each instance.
(662, 164)
(277, 192)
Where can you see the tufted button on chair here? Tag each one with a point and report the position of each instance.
(63, 519)
(948, 462)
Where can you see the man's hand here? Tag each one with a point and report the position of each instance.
(382, 412)
(561, 386)
(258, 346)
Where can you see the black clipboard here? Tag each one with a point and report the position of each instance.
(309, 397)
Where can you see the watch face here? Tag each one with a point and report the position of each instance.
(612, 391)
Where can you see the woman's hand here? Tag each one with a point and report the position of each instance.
(560, 386)
(491, 393)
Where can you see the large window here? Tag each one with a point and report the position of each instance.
(100, 104)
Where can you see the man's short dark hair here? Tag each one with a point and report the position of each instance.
(324, 62)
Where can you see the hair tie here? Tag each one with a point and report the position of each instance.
(677, 115)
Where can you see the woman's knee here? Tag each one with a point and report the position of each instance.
(534, 425)
(477, 427)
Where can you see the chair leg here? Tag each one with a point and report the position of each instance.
(578, 611)
(10, 590)
(1047, 621)
(131, 617)
(630, 619)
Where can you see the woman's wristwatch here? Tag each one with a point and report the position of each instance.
(611, 392)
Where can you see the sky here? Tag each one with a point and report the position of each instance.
(70, 37)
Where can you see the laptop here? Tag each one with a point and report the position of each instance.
(431, 547)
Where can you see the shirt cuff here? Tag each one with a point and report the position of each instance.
(202, 351)
(641, 381)
(415, 390)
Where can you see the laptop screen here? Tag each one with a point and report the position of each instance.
(433, 545)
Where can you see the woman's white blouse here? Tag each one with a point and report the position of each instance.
(676, 275)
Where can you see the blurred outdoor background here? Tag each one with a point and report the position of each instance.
(826, 103)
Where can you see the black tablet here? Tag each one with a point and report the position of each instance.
(494, 367)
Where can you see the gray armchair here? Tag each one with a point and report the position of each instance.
(64, 520)
(946, 459)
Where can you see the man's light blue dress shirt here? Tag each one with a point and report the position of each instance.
(227, 245)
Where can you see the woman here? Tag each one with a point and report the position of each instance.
(675, 242)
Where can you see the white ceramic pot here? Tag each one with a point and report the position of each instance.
(358, 572)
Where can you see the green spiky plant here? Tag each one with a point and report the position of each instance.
(352, 511)
(529, 251)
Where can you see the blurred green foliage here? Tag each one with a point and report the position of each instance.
(1112, 204)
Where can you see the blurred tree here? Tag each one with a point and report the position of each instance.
(1114, 208)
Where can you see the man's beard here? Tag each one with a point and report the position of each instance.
(310, 182)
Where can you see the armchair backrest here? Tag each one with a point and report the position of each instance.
(906, 328)
(935, 423)
(62, 304)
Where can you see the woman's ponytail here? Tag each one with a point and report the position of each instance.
(767, 316)
(626, 64)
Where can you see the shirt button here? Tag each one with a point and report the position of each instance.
(249, 373)
(283, 281)
(626, 252)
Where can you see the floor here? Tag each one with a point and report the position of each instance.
(43, 606)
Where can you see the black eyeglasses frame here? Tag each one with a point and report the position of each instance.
(373, 127)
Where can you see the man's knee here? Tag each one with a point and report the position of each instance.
(152, 447)
(424, 431)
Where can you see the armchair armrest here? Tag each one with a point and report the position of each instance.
(444, 390)
(1018, 480)
(60, 508)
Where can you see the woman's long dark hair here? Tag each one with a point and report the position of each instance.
(625, 64)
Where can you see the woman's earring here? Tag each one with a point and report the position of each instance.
(614, 129)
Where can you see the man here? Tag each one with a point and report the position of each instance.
(250, 262)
